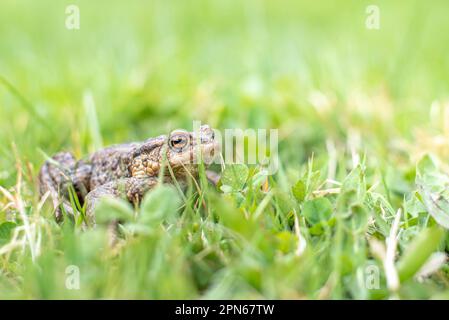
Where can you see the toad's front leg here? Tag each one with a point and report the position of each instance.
(130, 189)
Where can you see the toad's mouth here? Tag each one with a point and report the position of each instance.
(202, 153)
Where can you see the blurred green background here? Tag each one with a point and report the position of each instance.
(153, 65)
(137, 69)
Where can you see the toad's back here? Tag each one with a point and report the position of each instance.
(110, 164)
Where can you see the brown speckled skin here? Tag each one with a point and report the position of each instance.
(124, 171)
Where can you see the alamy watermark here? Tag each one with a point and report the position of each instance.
(372, 277)
(231, 146)
(372, 21)
(72, 277)
(72, 20)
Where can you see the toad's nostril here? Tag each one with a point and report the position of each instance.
(207, 136)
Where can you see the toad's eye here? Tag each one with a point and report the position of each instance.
(178, 142)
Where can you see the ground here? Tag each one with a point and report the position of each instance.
(358, 207)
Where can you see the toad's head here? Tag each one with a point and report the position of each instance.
(183, 151)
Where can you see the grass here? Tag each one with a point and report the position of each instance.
(357, 210)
